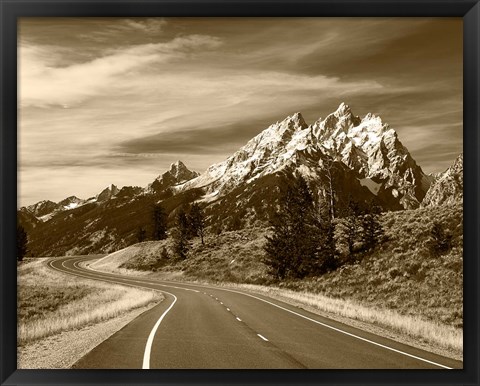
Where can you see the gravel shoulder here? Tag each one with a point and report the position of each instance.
(61, 351)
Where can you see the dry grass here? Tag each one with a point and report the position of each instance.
(50, 302)
(433, 333)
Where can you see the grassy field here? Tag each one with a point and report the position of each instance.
(401, 286)
(50, 302)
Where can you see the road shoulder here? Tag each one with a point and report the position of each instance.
(61, 351)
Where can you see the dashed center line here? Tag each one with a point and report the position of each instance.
(228, 309)
(221, 303)
(238, 319)
(262, 337)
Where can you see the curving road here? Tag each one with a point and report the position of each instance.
(208, 327)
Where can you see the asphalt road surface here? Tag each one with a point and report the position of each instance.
(209, 327)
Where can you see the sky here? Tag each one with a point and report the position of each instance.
(115, 101)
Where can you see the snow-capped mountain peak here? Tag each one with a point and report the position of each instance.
(280, 132)
(177, 174)
(343, 110)
(372, 149)
(180, 172)
(71, 202)
(336, 123)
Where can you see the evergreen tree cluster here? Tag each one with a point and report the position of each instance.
(302, 239)
(357, 232)
(189, 223)
(308, 240)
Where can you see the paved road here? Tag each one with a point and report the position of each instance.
(200, 326)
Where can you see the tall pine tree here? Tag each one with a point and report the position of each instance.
(181, 235)
(372, 231)
(197, 221)
(22, 241)
(159, 222)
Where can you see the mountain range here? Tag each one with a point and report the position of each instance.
(356, 159)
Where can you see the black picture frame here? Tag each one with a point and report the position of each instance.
(10, 10)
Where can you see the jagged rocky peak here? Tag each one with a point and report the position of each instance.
(70, 202)
(295, 121)
(107, 193)
(336, 123)
(280, 132)
(42, 208)
(270, 142)
(180, 172)
(447, 187)
(372, 149)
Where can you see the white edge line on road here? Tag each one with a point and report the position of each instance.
(320, 323)
(262, 337)
(148, 347)
(341, 331)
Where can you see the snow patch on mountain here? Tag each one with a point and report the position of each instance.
(370, 185)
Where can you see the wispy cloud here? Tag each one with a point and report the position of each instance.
(42, 83)
(148, 25)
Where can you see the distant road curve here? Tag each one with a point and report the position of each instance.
(209, 327)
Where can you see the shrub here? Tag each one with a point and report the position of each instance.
(440, 239)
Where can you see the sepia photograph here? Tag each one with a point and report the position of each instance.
(240, 193)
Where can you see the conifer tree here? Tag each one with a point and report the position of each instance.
(22, 241)
(181, 235)
(197, 221)
(372, 231)
(141, 234)
(159, 222)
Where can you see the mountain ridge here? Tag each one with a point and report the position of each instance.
(362, 158)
